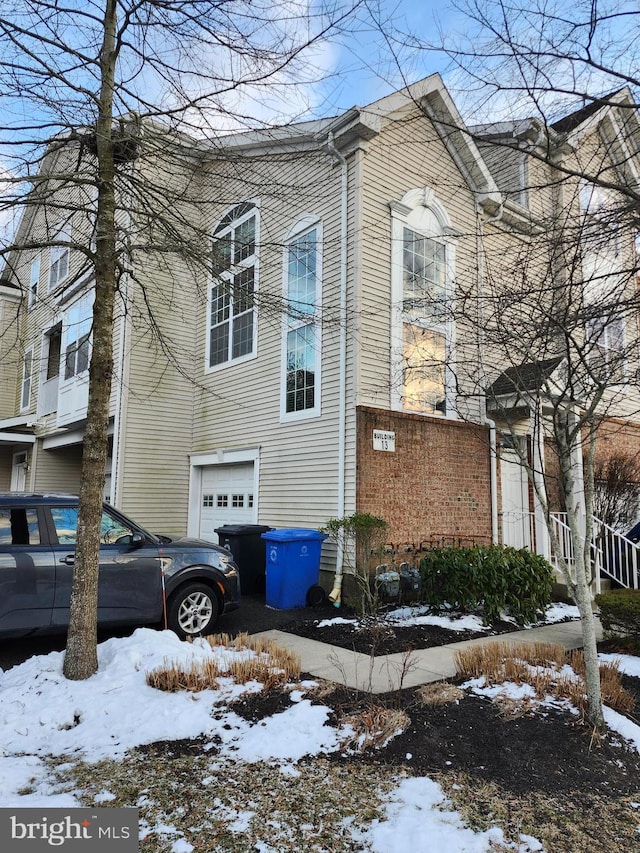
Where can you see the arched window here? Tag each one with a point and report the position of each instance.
(422, 325)
(231, 332)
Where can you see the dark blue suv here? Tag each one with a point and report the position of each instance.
(144, 579)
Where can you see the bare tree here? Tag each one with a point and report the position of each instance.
(549, 95)
(616, 499)
(91, 93)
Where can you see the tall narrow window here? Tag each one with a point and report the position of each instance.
(231, 320)
(54, 339)
(424, 310)
(302, 344)
(604, 284)
(423, 249)
(77, 348)
(605, 346)
(34, 278)
(27, 371)
(59, 257)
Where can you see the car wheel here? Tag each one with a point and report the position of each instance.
(193, 610)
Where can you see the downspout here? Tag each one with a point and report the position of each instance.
(115, 448)
(486, 420)
(116, 491)
(335, 594)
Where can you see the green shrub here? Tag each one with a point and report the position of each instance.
(491, 577)
(620, 613)
(361, 536)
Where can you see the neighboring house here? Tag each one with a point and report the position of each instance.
(322, 367)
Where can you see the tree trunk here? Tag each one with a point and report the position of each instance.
(582, 587)
(81, 658)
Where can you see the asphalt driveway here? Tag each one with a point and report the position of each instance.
(252, 616)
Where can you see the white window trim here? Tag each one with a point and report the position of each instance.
(34, 280)
(56, 253)
(27, 381)
(73, 333)
(255, 258)
(443, 233)
(302, 226)
(610, 353)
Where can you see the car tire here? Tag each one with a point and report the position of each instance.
(193, 610)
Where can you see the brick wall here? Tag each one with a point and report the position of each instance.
(616, 436)
(435, 485)
(612, 437)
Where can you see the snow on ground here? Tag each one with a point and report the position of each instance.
(420, 615)
(559, 612)
(627, 664)
(419, 818)
(42, 713)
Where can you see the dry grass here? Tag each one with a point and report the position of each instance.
(267, 663)
(439, 693)
(547, 668)
(373, 727)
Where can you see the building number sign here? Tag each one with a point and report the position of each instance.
(384, 440)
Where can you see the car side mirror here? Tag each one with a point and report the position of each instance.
(137, 540)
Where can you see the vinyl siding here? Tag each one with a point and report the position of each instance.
(156, 398)
(406, 156)
(238, 406)
(6, 461)
(10, 355)
(57, 470)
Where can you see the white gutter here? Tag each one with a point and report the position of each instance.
(18, 437)
(342, 378)
(486, 420)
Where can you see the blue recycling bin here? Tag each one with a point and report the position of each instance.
(293, 565)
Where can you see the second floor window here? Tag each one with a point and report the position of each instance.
(301, 346)
(231, 307)
(605, 343)
(77, 344)
(27, 373)
(424, 323)
(422, 326)
(59, 258)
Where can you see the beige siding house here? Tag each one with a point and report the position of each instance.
(322, 364)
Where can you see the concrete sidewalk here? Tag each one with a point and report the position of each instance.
(421, 666)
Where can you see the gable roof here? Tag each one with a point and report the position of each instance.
(529, 376)
(575, 119)
(363, 123)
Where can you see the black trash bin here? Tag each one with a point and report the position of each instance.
(248, 549)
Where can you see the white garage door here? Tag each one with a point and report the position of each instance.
(226, 498)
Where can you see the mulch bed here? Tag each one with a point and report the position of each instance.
(379, 637)
(546, 751)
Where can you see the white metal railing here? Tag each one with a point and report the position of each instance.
(562, 533)
(613, 555)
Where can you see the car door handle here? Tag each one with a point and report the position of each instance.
(69, 560)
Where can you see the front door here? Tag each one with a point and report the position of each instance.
(516, 514)
(19, 472)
